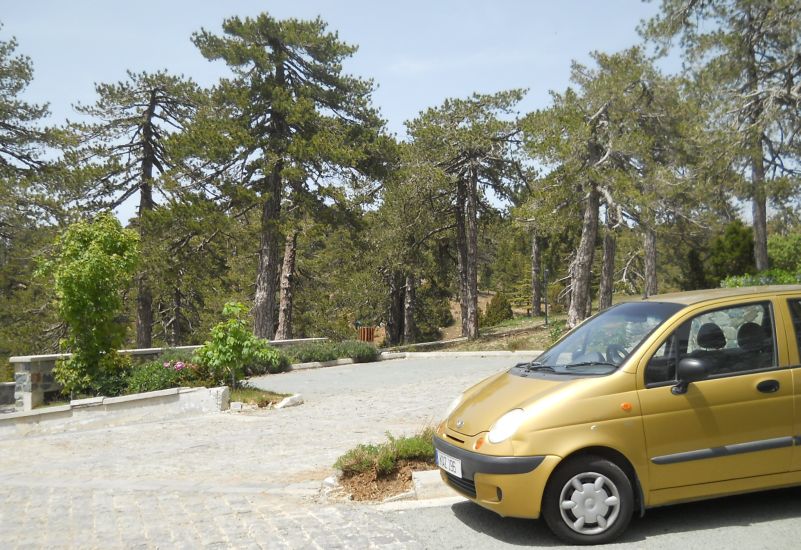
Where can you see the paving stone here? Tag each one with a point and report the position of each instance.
(248, 479)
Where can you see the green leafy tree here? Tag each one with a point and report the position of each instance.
(744, 57)
(731, 253)
(232, 347)
(93, 264)
(124, 152)
(499, 309)
(35, 194)
(287, 119)
(613, 142)
(471, 145)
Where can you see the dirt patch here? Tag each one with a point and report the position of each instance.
(367, 486)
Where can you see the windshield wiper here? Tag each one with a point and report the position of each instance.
(591, 364)
(536, 366)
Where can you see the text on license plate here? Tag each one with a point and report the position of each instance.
(449, 464)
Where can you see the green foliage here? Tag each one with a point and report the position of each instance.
(499, 309)
(153, 376)
(432, 311)
(556, 331)
(360, 352)
(784, 252)
(93, 263)
(383, 459)
(731, 253)
(768, 277)
(256, 396)
(233, 349)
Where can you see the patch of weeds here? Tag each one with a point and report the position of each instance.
(255, 396)
(383, 459)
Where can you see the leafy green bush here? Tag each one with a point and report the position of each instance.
(767, 277)
(556, 331)
(784, 252)
(383, 459)
(170, 370)
(153, 376)
(233, 348)
(499, 309)
(93, 263)
(360, 352)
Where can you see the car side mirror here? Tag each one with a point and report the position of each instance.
(689, 370)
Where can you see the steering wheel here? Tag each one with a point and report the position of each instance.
(615, 353)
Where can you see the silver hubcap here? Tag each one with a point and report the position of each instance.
(590, 503)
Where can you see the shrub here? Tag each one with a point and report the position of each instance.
(556, 331)
(767, 277)
(162, 375)
(93, 262)
(360, 352)
(233, 348)
(499, 309)
(383, 459)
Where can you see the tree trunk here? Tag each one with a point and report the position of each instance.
(271, 191)
(608, 269)
(176, 330)
(536, 274)
(395, 314)
(284, 331)
(408, 311)
(581, 268)
(471, 225)
(461, 249)
(269, 259)
(758, 195)
(144, 295)
(649, 244)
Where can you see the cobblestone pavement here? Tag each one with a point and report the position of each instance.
(244, 480)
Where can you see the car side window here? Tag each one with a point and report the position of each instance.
(795, 314)
(728, 340)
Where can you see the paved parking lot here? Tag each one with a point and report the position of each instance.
(252, 480)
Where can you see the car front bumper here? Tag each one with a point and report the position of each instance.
(508, 485)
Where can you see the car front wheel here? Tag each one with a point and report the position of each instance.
(588, 500)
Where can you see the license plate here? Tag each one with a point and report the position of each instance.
(451, 465)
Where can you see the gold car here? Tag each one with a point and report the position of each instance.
(674, 398)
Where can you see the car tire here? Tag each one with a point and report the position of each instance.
(588, 500)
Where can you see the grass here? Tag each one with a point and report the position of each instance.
(256, 396)
(520, 333)
(383, 459)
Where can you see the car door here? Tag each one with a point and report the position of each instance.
(793, 330)
(736, 423)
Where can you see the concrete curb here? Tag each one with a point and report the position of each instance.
(105, 412)
(390, 355)
(457, 354)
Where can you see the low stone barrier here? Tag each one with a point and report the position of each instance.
(33, 374)
(7, 393)
(104, 412)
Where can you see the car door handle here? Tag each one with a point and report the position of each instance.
(768, 386)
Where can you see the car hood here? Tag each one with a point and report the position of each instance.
(489, 400)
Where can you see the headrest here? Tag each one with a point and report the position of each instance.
(750, 336)
(710, 336)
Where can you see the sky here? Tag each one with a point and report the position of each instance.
(418, 53)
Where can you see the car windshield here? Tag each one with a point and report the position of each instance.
(602, 343)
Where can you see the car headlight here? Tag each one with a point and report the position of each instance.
(452, 407)
(506, 425)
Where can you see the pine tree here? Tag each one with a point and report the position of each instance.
(293, 118)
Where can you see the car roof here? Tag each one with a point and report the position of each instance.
(696, 296)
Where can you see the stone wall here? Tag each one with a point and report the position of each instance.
(7, 393)
(33, 374)
(104, 412)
